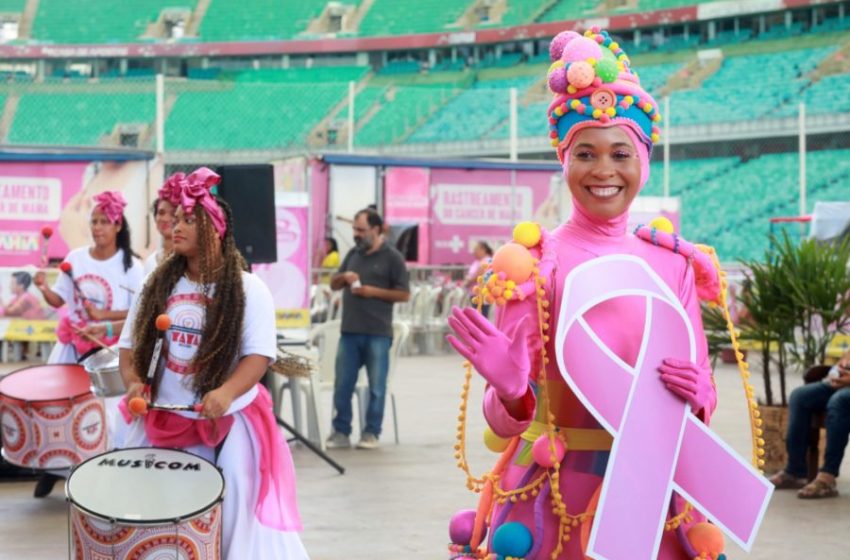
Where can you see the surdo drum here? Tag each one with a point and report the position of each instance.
(146, 503)
(50, 418)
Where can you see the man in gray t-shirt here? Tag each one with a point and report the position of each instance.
(374, 277)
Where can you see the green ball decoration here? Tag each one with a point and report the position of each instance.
(607, 70)
(608, 55)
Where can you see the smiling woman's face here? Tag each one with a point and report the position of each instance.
(603, 171)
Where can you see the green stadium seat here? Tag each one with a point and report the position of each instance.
(77, 21)
(77, 119)
(392, 17)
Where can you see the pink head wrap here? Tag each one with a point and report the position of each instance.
(195, 189)
(112, 204)
(170, 190)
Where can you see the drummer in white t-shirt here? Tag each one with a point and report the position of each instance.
(168, 198)
(100, 284)
(221, 340)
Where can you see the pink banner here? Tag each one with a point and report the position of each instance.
(659, 445)
(318, 193)
(289, 277)
(406, 202)
(33, 195)
(468, 206)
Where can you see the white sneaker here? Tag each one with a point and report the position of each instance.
(338, 441)
(368, 441)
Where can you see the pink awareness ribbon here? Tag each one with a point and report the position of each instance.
(659, 445)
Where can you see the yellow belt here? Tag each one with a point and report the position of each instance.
(577, 439)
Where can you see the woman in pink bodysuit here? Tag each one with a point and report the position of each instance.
(603, 127)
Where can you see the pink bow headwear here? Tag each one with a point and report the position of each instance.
(170, 190)
(112, 204)
(195, 189)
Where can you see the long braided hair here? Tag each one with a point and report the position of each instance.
(224, 313)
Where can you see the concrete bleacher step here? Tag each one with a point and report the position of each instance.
(317, 137)
(836, 63)
(27, 17)
(495, 10)
(9, 109)
(194, 23)
(692, 75)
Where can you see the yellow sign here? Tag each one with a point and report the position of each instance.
(23, 330)
(292, 318)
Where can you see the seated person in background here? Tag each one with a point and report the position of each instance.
(832, 395)
(22, 303)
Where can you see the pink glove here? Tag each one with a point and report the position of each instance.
(690, 382)
(500, 359)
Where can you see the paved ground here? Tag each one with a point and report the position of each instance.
(395, 502)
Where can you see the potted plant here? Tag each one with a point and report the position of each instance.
(796, 300)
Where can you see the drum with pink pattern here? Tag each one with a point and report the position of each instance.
(146, 504)
(49, 417)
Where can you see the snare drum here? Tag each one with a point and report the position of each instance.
(146, 503)
(50, 418)
(102, 367)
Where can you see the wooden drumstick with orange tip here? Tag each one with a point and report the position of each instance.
(140, 406)
(163, 322)
(46, 234)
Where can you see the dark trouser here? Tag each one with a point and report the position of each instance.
(354, 352)
(804, 402)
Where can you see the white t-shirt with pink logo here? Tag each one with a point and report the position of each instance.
(105, 284)
(185, 308)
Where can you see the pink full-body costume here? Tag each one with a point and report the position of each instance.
(619, 324)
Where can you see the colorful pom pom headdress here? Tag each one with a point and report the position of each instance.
(594, 85)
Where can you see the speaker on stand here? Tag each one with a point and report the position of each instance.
(249, 190)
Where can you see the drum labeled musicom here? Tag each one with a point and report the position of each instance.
(102, 367)
(50, 418)
(146, 503)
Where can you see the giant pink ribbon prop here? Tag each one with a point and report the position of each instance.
(659, 445)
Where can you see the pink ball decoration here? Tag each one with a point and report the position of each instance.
(461, 526)
(558, 80)
(556, 47)
(580, 74)
(543, 454)
(580, 49)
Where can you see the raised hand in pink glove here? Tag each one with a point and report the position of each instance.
(690, 382)
(500, 359)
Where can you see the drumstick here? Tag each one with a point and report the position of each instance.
(140, 406)
(69, 270)
(162, 323)
(96, 341)
(46, 234)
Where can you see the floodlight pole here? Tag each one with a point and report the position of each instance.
(666, 146)
(514, 148)
(802, 126)
(350, 117)
(160, 114)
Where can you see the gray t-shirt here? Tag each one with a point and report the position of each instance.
(384, 268)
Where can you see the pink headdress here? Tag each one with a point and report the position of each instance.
(112, 204)
(170, 190)
(195, 189)
(594, 86)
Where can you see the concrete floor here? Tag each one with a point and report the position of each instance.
(395, 502)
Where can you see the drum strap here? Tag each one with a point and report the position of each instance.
(218, 449)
